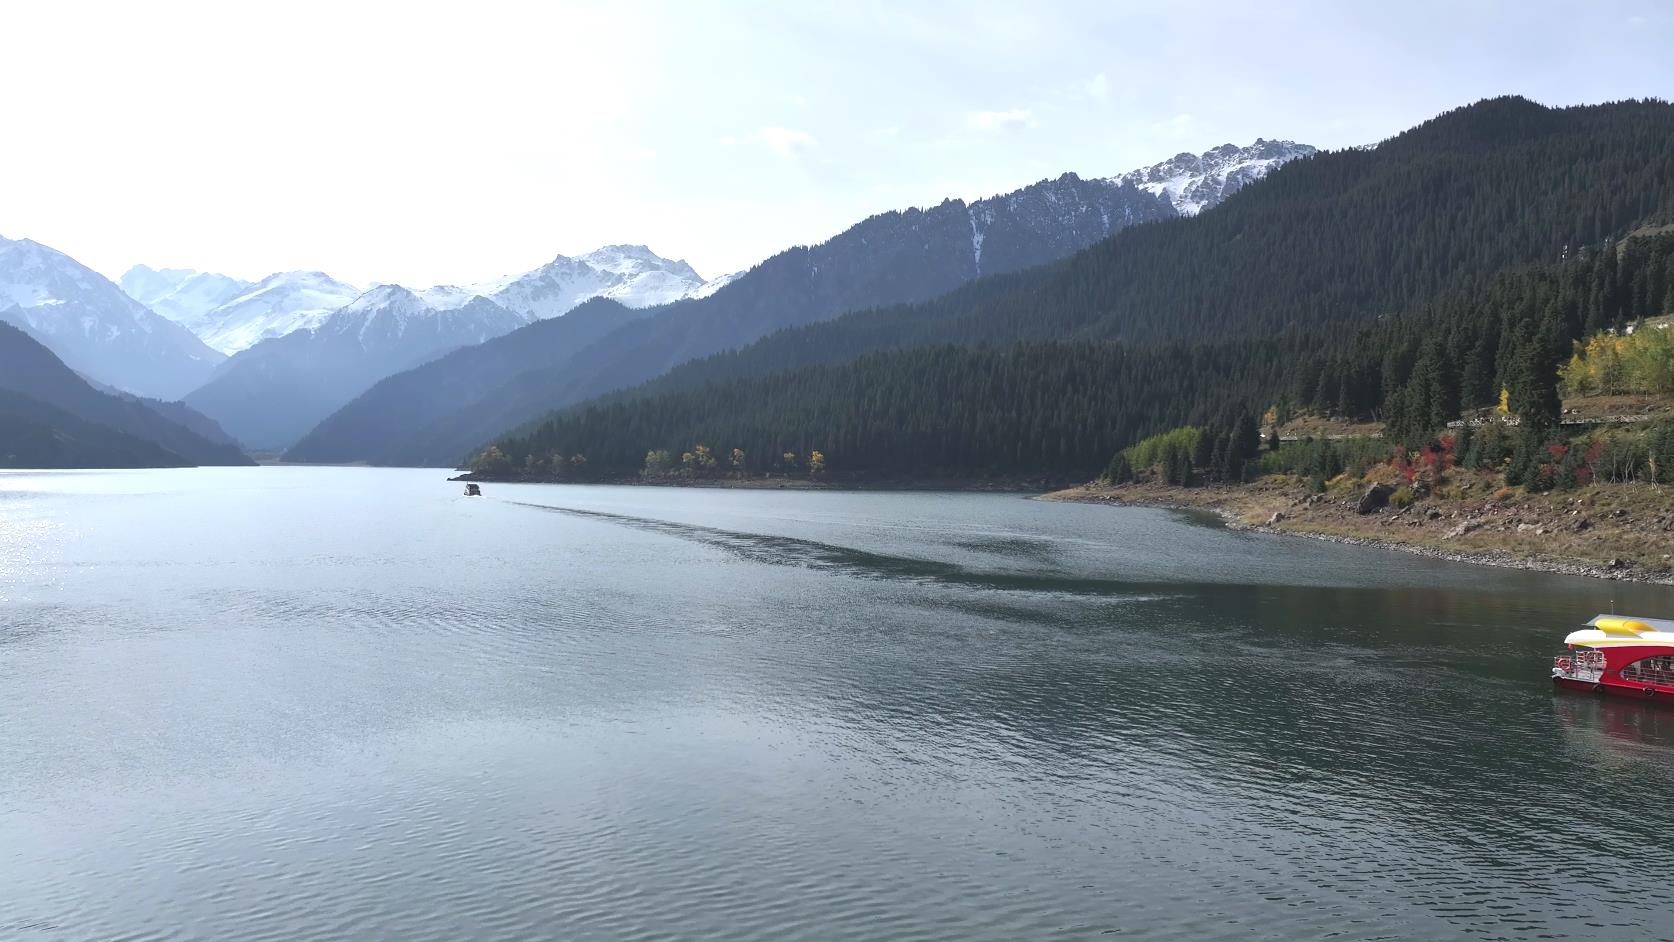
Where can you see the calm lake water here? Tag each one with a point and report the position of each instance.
(286, 703)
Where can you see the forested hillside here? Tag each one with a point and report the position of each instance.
(1485, 234)
(1061, 407)
(1419, 371)
(1069, 406)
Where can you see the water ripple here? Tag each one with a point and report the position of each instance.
(360, 706)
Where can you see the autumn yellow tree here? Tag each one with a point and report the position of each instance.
(491, 460)
(816, 462)
(1608, 364)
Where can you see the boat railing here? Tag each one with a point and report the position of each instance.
(1651, 670)
(1584, 666)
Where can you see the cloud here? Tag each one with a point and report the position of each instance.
(639, 152)
(992, 120)
(785, 142)
(1098, 86)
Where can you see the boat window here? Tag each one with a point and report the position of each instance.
(1651, 670)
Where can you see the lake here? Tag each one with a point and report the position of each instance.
(319, 703)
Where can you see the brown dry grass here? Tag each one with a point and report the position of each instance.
(1609, 407)
(1625, 530)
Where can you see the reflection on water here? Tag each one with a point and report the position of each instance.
(349, 702)
(1617, 730)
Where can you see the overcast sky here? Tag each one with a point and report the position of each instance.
(453, 142)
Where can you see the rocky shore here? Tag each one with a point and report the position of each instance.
(1611, 531)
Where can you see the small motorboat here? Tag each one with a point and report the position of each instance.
(1620, 654)
(472, 490)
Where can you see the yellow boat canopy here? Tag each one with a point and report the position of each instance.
(1611, 630)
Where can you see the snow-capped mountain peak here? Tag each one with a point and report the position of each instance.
(146, 284)
(399, 297)
(386, 316)
(96, 329)
(381, 297)
(32, 274)
(1195, 182)
(182, 295)
(275, 306)
(631, 260)
(631, 274)
(448, 297)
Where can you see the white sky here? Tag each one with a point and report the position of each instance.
(453, 142)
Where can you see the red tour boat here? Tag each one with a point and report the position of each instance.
(1620, 654)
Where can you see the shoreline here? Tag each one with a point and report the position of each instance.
(1038, 484)
(1465, 535)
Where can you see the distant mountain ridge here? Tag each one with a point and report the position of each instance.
(269, 394)
(104, 430)
(94, 327)
(896, 257)
(409, 402)
(36, 434)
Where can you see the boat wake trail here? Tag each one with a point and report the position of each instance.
(813, 554)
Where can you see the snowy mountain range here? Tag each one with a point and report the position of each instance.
(1195, 182)
(389, 317)
(268, 395)
(183, 295)
(96, 329)
(304, 343)
(231, 315)
(631, 275)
